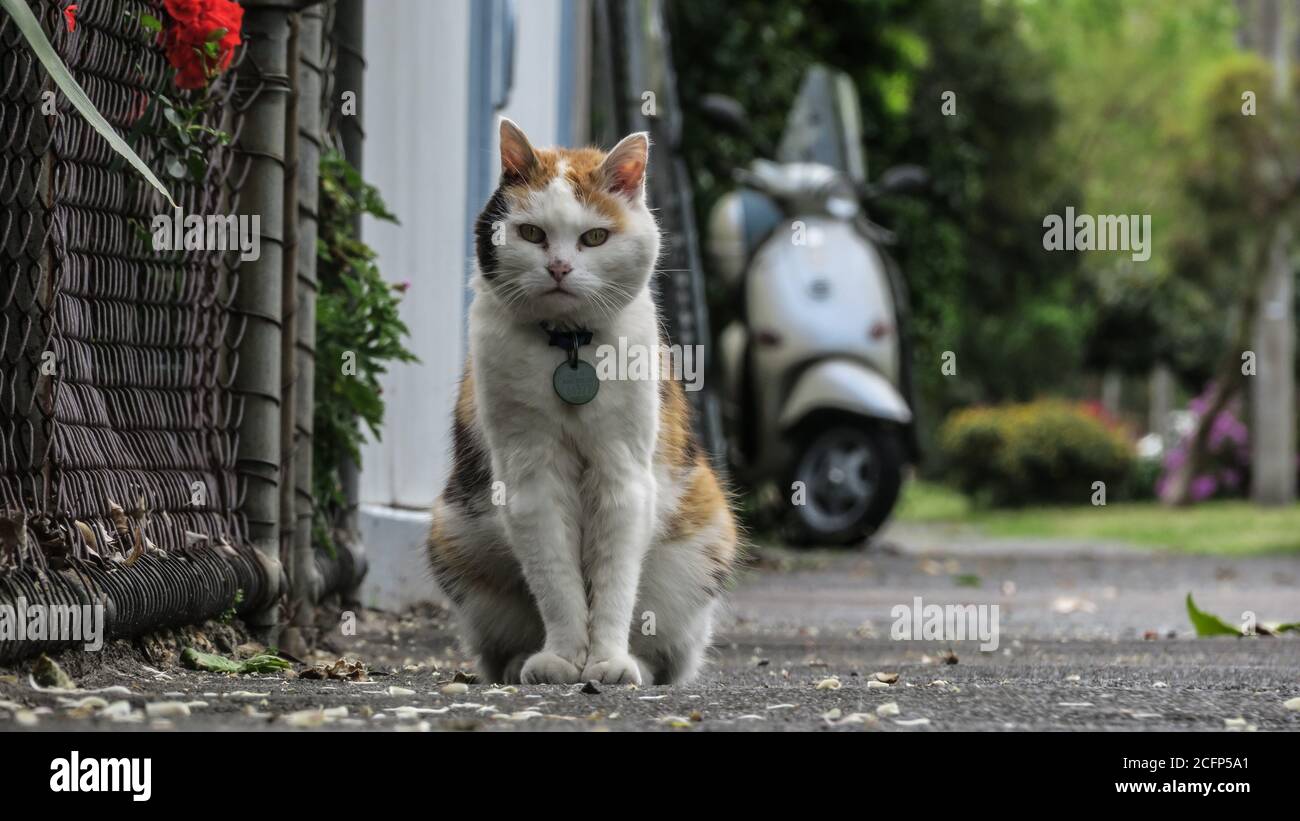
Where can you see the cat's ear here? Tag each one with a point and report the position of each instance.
(624, 167)
(517, 156)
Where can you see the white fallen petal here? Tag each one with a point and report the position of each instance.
(1292, 704)
(456, 688)
(524, 715)
(305, 718)
(121, 711)
(167, 709)
(877, 685)
(911, 722)
(407, 713)
(418, 727)
(832, 683)
(888, 709)
(406, 691)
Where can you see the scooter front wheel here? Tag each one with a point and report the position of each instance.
(844, 482)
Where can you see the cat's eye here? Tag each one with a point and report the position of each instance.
(594, 237)
(532, 233)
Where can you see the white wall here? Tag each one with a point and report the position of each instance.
(414, 104)
(416, 107)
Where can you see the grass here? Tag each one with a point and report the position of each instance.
(1230, 527)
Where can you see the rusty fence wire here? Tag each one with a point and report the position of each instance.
(118, 481)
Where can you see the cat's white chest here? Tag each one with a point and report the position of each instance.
(514, 369)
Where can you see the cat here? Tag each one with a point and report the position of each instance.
(576, 542)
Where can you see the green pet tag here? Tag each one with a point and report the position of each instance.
(575, 381)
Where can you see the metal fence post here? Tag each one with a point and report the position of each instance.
(264, 78)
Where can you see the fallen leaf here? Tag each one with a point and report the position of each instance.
(1208, 624)
(343, 669)
(49, 674)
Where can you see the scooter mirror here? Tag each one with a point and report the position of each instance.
(726, 113)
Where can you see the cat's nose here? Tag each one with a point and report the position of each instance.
(558, 268)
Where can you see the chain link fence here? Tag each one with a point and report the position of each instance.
(119, 423)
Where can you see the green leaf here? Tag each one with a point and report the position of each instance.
(174, 117)
(1208, 624)
(212, 663)
(217, 34)
(150, 22)
(40, 46)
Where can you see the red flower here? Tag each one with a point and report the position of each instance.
(202, 40)
(185, 12)
(70, 14)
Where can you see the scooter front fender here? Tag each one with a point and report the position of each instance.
(843, 385)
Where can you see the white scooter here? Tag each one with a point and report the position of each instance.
(815, 369)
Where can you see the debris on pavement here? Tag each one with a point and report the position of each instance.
(48, 674)
(344, 669)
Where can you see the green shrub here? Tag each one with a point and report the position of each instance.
(1043, 451)
(359, 332)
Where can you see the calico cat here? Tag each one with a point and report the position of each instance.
(576, 542)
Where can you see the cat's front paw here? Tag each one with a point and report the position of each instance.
(622, 669)
(549, 668)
